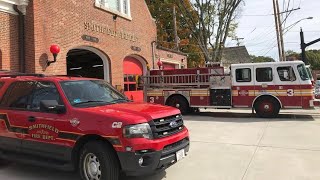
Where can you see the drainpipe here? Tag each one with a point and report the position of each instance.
(21, 40)
(153, 43)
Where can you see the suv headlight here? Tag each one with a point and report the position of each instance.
(138, 131)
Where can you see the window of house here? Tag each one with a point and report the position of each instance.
(264, 74)
(284, 73)
(119, 7)
(243, 75)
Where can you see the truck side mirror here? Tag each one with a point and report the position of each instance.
(52, 106)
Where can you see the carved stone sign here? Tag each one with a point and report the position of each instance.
(135, 48)
(106, 29)
(90, 38)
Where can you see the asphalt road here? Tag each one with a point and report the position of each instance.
(230, 145)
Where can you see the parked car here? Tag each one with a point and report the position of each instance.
(85, 124)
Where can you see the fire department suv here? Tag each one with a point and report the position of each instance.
(86, 125)
(264, 87)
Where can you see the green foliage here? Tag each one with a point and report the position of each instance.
(162, 12)
(257, 59)
(313, 57)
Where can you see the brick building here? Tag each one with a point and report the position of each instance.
(109, 39)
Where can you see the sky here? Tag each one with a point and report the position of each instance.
(256, 26)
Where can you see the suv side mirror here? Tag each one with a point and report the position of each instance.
(52, 106)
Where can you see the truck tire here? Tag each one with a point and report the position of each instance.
(179, 102)
(97, 161)
(267, 107)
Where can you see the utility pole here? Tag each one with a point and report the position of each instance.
(277, 22)
(176, 38)
(304, 46)
(283, 58)
(238, 40)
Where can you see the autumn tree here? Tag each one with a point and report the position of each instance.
(162, 12)
(215, 22)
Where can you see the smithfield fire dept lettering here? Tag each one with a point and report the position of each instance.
(105, 29)
(43, 131)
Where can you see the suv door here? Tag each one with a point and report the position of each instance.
(43, 134)
(14, 115)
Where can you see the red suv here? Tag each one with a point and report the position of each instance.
(85, 124)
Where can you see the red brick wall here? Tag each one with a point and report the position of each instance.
(9, 41)
(172, 57)
(62, 23)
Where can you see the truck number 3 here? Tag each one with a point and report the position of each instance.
(290, 92)
(151, 99)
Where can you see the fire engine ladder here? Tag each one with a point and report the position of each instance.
(177, 81)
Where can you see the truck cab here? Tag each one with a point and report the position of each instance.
(268, 87)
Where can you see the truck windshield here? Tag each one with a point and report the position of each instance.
(90, 93)
(303, 72)
(309, 72)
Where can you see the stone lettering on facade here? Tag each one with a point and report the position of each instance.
(105, 29)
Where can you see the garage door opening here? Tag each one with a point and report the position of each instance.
(85, 63)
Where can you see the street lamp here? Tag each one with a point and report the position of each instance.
(292, 25)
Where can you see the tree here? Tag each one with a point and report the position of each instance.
(216, 22)
(257, 59)
(161, 11)
(313, 57)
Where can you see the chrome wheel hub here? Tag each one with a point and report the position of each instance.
(92, 168)
(266, 107)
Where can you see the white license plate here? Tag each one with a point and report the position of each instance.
(180, 154)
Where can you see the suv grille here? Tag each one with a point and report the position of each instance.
(166, 126)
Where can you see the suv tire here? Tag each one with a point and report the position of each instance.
(98, 162)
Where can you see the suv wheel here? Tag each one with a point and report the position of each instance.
(98, 162)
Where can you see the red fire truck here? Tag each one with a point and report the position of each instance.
(264, 87)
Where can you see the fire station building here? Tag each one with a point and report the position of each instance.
(113, 40)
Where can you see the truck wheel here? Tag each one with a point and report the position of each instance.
(180, 103)
(98, 162)
(267, 107)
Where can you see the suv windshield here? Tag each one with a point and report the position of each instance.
(303, 72)
(89, 93)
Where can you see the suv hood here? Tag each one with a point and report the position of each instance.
(133, 112)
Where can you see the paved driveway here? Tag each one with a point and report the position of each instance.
(231, 145)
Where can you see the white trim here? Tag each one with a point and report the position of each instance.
(292, 107)
(213, 107)
(142, 61)
(241, 106)
(7, 7)
(120, 13)
(105, 60)
(171, 62)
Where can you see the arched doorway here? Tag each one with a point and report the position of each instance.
(133, 68)
(88, 62)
